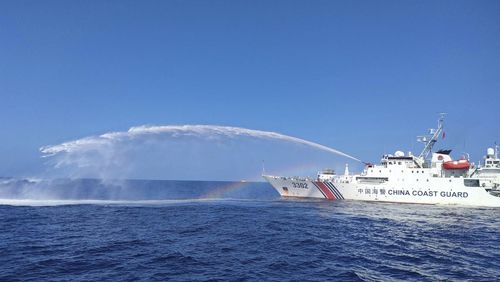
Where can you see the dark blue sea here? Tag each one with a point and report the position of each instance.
(92, 230)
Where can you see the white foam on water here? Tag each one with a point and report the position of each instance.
(51, 203)
(43, 203)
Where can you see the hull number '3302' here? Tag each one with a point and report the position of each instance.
(299, 185)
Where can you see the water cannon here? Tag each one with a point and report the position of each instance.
(368, 164)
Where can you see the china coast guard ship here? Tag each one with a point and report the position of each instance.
(407, 178)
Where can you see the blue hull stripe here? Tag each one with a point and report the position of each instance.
(334, 190)
(337, 190)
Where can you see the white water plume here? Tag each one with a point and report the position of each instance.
(209, 131)
(112, 150)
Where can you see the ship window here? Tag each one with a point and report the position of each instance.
(412, 171)
(399, 163)
(471, 182)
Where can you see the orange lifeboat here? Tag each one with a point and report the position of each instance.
(461, 164)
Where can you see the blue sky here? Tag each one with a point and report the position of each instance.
(364, 77)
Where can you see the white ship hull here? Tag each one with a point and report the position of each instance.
(445, 191)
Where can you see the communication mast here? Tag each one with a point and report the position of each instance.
(430, 139)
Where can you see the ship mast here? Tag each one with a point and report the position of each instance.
(431, 139)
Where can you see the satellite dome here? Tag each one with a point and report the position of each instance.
(399, 154)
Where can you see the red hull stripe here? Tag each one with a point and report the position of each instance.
(328, 194)
(320, 190)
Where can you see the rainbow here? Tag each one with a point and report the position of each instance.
(224, 189)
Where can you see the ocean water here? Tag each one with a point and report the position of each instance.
(89, 230)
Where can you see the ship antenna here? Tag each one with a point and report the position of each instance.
(496, 150)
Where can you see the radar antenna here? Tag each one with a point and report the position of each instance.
(431, 139)
(496, 150)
